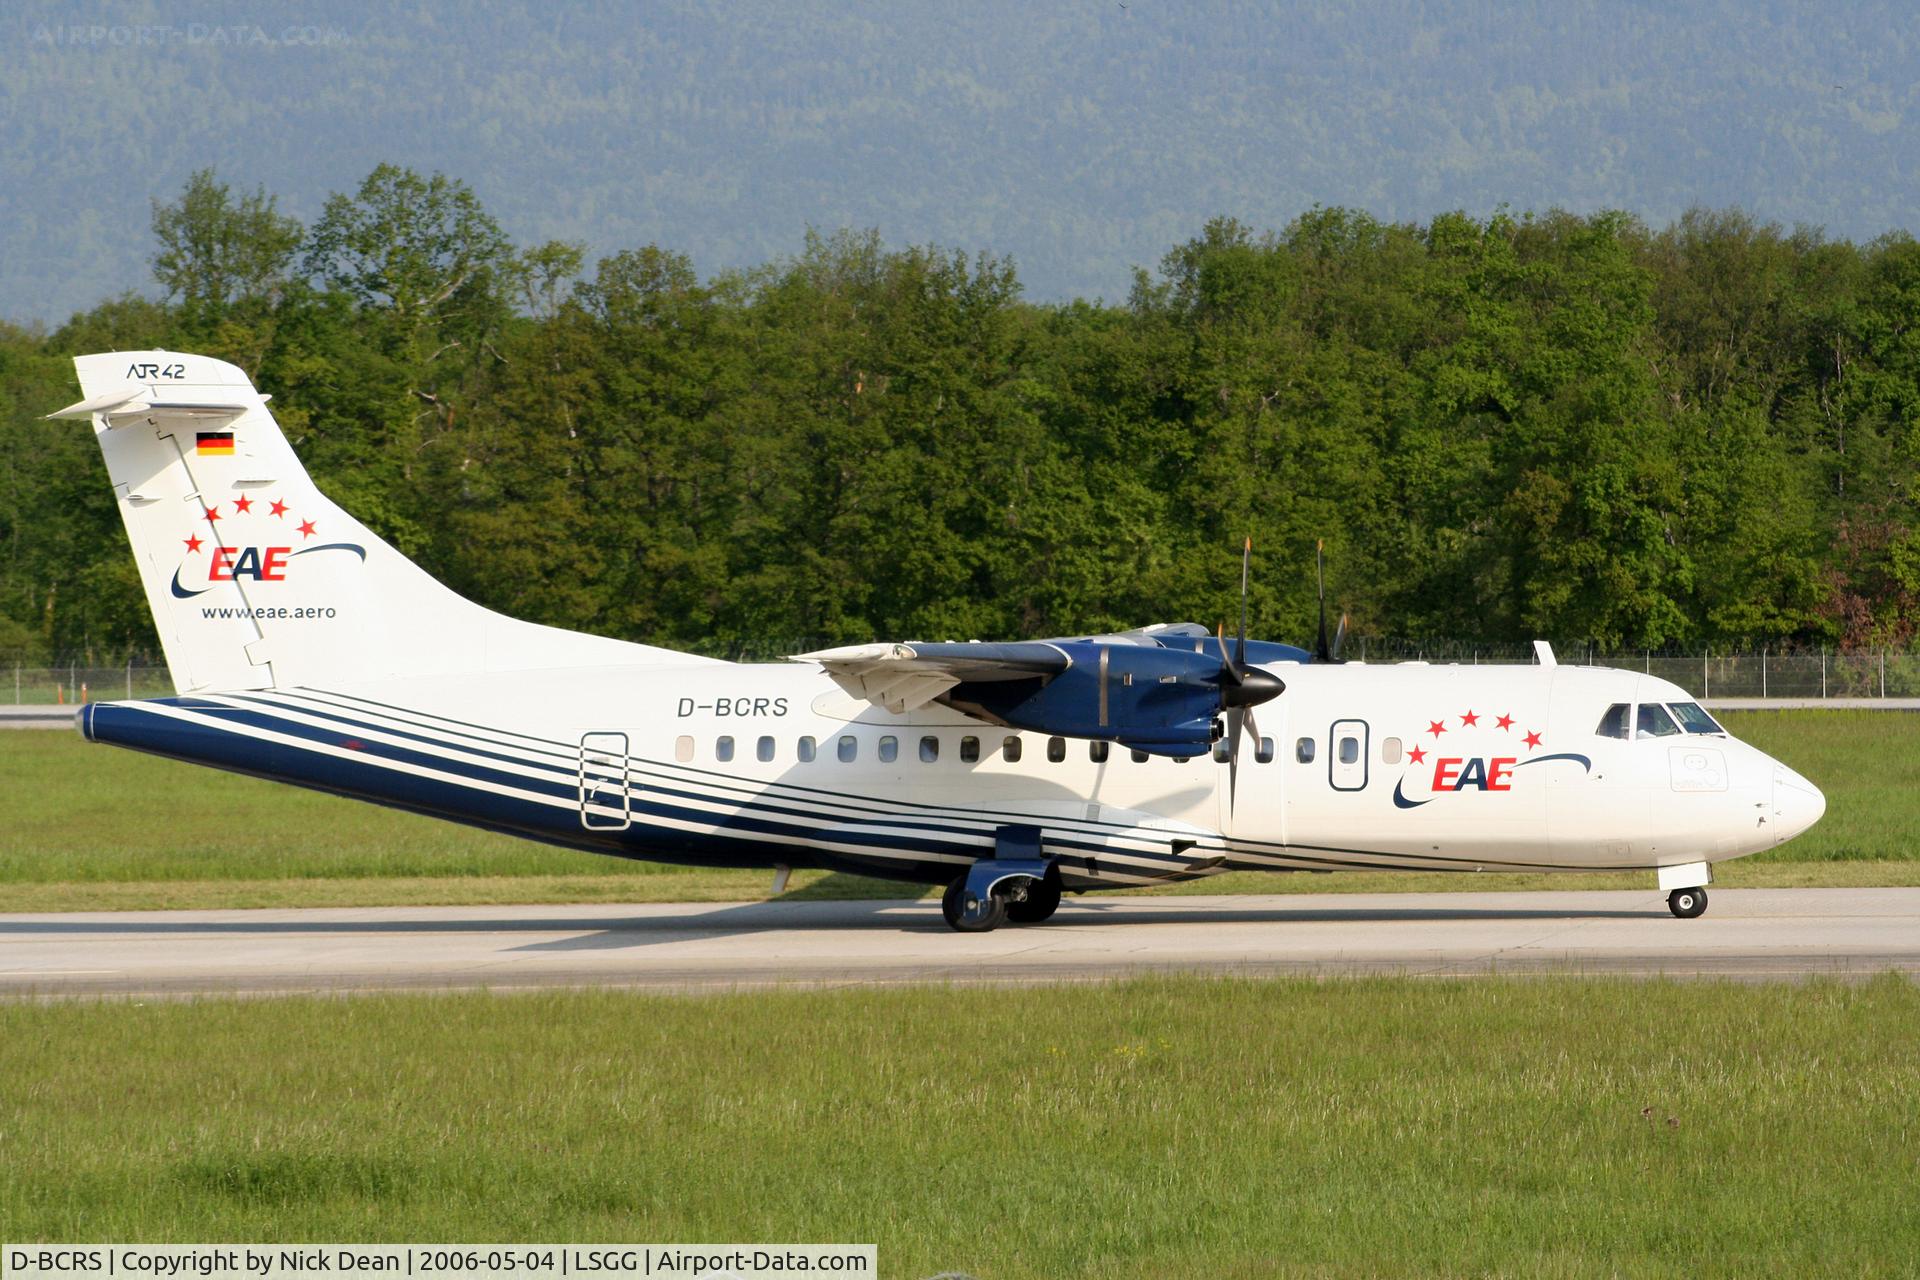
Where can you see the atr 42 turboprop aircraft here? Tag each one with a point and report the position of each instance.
(307, 650)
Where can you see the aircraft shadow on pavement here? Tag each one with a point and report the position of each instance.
(612, 930)
(924, 917)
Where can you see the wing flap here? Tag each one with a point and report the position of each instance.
(905, 677)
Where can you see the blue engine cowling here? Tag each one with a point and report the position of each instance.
(1151, 699)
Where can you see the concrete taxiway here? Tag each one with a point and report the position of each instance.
(1750, 933)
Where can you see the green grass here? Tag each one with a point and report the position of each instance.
(84, 826)
(1166, 1127)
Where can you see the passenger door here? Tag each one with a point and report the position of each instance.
(606, 802)
(1347, 745)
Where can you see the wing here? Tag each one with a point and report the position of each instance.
(903, 677)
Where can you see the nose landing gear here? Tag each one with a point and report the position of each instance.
(1687, 903)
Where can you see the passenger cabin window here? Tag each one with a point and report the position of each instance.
(723, 750)
(1616, 723)
(1097, 752)
(1139, 756)
(763, 750)
(1011, 750)
(929, 749)
(683, 748)
(1349, 751)
(969, 750)
(1694, 718)
(1264, 752)
(1303, 751)
(849, 748)
(806, 751)
(889, 749)
(1390, 751)
(1655, 722)
(1056, 749)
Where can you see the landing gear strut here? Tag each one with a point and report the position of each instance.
(1687, 903)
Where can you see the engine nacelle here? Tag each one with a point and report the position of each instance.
(1151, 699)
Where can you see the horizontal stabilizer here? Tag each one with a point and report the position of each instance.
(117, 400)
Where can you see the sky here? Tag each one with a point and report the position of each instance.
(1083, 140)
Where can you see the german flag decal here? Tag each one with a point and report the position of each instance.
(213, 443)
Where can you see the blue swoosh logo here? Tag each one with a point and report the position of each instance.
(181, 593)
(1400, 800)
(354, 547)
(1585, 763)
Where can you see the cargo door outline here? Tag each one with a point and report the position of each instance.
(606, 782)
(1347, 775)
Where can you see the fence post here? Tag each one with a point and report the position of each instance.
(1823, 671)
(1706, 675)
(1883, 673)
(1763, 671)
(129, 679)
(16, 684)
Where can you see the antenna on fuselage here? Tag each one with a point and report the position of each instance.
(1322, 650)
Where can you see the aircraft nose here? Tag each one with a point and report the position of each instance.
(1797, 804)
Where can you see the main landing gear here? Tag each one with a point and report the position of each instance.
(1015, 886)
(1687, 903)
(1023, 900)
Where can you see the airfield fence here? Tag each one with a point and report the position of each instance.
(1760, 673)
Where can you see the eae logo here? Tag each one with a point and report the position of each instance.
(261, 562)
(1483, 771)
(254, 564)
(1454, 773)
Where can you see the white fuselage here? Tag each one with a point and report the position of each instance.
(1408, 766)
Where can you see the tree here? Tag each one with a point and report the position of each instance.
(217, 250)
(419, 250)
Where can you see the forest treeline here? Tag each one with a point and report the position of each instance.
(1549, 425)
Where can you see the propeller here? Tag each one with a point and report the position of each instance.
(1242, 687)
(1322, 650)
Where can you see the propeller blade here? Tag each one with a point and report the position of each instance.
(1236, 716)
(1228, 674)
(1339, 638)
(1240, 650)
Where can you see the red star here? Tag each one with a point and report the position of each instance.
(193, 543)
(278, 508)
(243, 504)
(1471, 718)
(1417, 754)
(213, 513)
(1505, 722)
(1437, 728)
(1533, 739)
(306, 528)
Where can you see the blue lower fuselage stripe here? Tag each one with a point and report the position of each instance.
(749, 833)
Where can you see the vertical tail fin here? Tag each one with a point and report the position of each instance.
(255, 578)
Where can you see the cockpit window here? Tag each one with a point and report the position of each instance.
(1655, 722)
(1694, 718)
(1617, 723)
